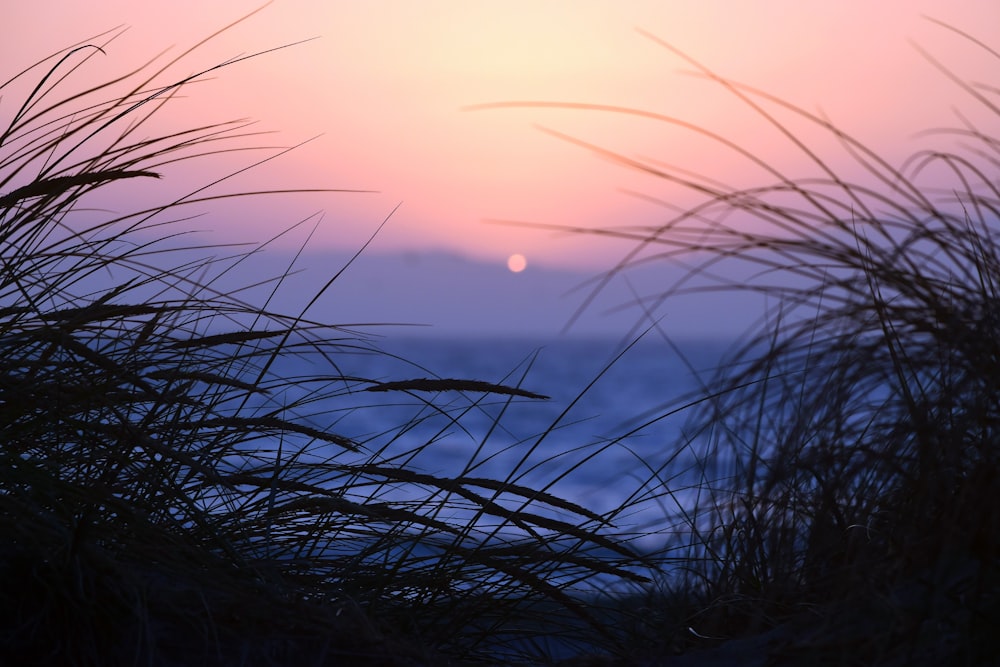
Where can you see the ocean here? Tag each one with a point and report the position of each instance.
(599, 440)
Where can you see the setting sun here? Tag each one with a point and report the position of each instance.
(517, 263)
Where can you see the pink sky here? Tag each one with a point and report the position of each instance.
(382, 92)
(386, 81)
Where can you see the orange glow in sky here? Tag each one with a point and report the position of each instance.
(387, 82)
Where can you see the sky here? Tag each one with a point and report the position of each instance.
(382, 93)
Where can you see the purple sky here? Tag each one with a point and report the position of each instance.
(454, 296)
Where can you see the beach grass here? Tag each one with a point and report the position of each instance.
(850, 508)
(170, 496)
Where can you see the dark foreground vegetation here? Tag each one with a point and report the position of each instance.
(167, 498)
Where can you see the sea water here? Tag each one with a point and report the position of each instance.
(613, 431)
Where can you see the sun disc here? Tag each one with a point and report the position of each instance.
(517, 263)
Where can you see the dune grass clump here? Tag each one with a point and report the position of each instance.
(849, 509)
(862, 433)
(168, 494)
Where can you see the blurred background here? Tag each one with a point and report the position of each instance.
(379, 92)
